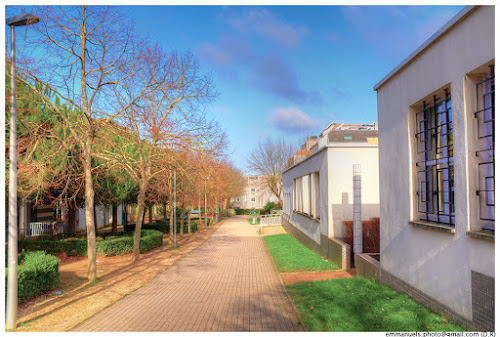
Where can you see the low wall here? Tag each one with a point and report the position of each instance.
(301, 236)
(330, 248)
(337, 251)
(367, 266)
(424, 299)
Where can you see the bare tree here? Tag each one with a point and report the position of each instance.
(270, 159)
(83, 54)
(167, 119)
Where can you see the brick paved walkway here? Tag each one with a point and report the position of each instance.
(229, 283)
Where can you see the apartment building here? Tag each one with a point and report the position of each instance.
(436, 114)
(256, 194)
(318, 191)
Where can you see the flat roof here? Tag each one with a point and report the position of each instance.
(436, 36)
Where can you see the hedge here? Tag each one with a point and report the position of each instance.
(37, 274)
(125, 245)
(157, 226)
(117, 244)
(72, 247)
(243, 211)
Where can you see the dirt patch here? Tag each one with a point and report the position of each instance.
(291, 278)
(118, 276)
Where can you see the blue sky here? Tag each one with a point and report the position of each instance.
(291, 70)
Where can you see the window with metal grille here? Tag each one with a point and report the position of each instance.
(485, 117)
(434, 160)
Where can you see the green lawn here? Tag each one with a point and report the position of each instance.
(257, 221)
(360, 304)
(290, 255)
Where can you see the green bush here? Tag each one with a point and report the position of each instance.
(108, 245)
(70, 246)
(269, 206)
(37, 274)
(159, 225)
(194, 226)
(150, 239)
(125, 245)
(242, 211)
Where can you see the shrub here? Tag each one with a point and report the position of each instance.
(194, 226)
(159, 225)
(270, 205)
(109, 245)
(125, 245)
(371, 235)
(231, 212)
(37, 274)
(242, 211)
(71, 246)
(150, 239)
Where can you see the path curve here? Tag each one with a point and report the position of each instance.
(229, 283)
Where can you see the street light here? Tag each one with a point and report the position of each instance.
(206, 178)
(175, 209)
(18, 20)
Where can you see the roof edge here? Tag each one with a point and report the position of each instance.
(443, 30)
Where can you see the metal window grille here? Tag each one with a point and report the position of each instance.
(434, 135)
(485, 117)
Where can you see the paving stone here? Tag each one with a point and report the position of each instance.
(229, 283)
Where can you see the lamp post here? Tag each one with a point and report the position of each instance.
(18, 20)
(175, 209)
(206, 178)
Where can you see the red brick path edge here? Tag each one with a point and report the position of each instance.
(296, 277)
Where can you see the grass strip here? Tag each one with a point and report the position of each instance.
(290, 255)
(360, 304)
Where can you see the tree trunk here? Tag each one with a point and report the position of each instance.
(150, 214)
(199, 215)
(114, 225)
(143, 216)
(181, 232)
(71, 219)
(141, 199)
(95, 221)
(212, 216)
(89, 211)
(165, 211)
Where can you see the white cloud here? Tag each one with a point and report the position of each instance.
(262, 22)
(292, 120)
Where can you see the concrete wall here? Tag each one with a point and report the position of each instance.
(313, 228)
(437, 263)
(341, 161)
(104, 216)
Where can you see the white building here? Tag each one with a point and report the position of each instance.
(436, 116)
(256, 194)
(318, 191)
(48, 214)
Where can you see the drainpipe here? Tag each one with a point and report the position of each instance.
(357, 230)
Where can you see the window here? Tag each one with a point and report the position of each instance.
(485, 117)
(434, 160)
(306, 195)
(315, 196)
(252, 189)
(237, 199)
(253, 199)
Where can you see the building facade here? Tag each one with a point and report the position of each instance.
(256, 194)
(318, 191)
(436, 122)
